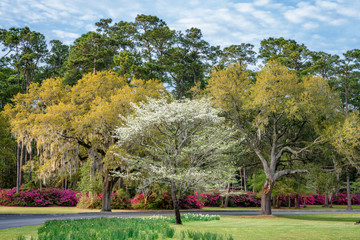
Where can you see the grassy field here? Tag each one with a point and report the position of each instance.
(13, 233)
(282, 227)
(49, 210)
(307, 208)
(52, 210)
(335, 226)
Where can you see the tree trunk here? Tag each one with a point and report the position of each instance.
(289, 198)
(277, 202)
(176, 204)
(120, 183)
(331, 200)
(30, 168)
(297, 205)
(348, 195)
(326, 203)
(274, 202)
(108, 186)
(18, 168)
(20, 161)
(226, 204)
(266, 198)
(245, 183)
(304, 201)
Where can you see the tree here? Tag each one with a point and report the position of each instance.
(242, 54)
(189, 62)
(7, 155)
(347, 80)
(285, 51)
(25, 49)
(91, 52)
(179, 143)
(74, 124)
(274, 115)
(56, 59)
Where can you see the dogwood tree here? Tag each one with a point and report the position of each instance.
(182, 143)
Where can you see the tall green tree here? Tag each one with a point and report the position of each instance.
(91, 52)
(56, 59)
(7, 154)
(285, 51)
(242, 54)
(25, 51)
(273, 115)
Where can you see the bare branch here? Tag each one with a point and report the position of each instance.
(296, 152)
(286, 172)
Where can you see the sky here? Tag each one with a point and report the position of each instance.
(332, 26)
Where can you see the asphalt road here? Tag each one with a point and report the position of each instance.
(21, 220)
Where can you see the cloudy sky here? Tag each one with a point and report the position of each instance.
(328, 25)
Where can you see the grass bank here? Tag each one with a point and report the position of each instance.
(52, 210)
(302, 208)
(334, 226)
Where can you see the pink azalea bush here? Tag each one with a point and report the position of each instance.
(164, 201)
(38, 198)
(252, 199)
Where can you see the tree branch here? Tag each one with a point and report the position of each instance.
(286, 172)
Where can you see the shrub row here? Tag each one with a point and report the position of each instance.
(121, 200)
(251, 199)
(38, 198)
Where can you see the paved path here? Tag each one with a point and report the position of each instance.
(21, 220)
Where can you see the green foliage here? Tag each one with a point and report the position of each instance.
(156, 227)
(7, 154)
(121, 201)
(90, 180)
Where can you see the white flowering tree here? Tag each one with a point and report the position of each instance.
(181, 143)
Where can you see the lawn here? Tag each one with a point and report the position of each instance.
(338, 226)
(307, 208)
(45, 210)
(52, 210)
(335, 226)
(13, 233)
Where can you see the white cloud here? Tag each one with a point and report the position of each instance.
(62, 34)
(310, 25)
(261, 2)
(222, 22)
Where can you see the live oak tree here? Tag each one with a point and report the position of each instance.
(73, 124)
(180, 143)
(273, 114)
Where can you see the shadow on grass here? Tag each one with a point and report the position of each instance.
(330, 218)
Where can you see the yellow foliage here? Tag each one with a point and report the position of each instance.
(58, 116)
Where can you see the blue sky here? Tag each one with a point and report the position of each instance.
(332, 26)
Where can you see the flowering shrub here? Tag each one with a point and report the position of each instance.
(38, 198)
(251, 199)
(191, 202)
(119, 200)
(164, 201)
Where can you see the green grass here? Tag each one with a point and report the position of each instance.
(338, 226)
(307, 208)
(52, 210)
(49, 210)
(322, 226)
(13, 233)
